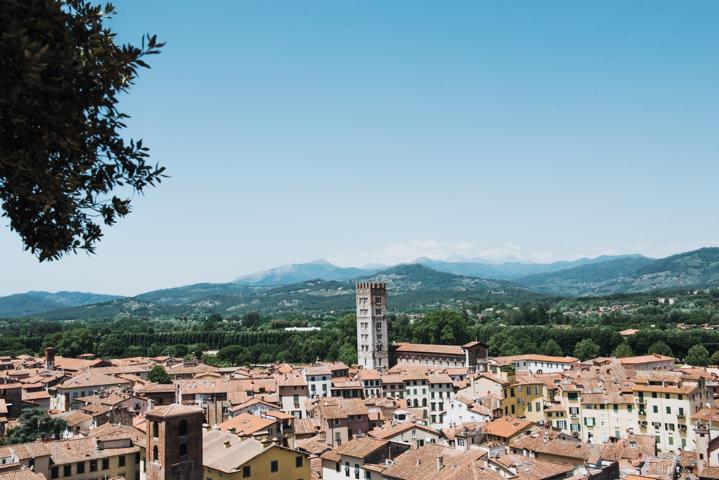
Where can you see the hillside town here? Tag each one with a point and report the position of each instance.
(405, 411)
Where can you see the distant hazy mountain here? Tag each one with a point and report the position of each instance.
(30, 303)
(301, 272)
(511, 270)
(695, 269)
(323, 270)
(411, 286)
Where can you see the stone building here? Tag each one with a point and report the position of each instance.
(372, 341)
(174, 443)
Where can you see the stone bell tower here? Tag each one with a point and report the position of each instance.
(372, 341)
(174, 443)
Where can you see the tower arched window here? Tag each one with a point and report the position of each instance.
(155, 429)
(182, 428)
(155, 454)
(183, 449)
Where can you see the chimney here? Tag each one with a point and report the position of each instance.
(50, 358)
(227, 444)
(440, 462)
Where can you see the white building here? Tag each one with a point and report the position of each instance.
(462, 410)
(319, 381)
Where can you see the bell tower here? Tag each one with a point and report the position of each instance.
(372, 341)
(173, 448)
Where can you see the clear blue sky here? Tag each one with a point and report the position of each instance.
(378, 131)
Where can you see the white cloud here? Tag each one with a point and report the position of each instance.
(411, 250)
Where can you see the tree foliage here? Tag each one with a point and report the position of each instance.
(586, 349)
(447, 327)
(552, 348)
(62, 154)
(622, 350)
(698, 356)
(34, 424)
(158, 374)
(660, 348)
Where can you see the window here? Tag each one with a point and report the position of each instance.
(155, 454)
(66, 470)
(655, 409)
(121, 461)
(357, 469)
(246, 471)
(299, 461)
(105, 463)
(93, 465)
(182, 428)
(80, 467)
(55, 472)
(155, 430)
(183, 449)
(137, 458)
(669, 409)
(275, 467)
(529, 406)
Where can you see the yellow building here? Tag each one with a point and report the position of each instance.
(524, 399)
(225, 456)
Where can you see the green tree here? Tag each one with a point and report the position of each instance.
(446, 327)
(62, 150)
(551, 347)
(348, 354)
(230, 353)
(76, 342)
(586, 349)
(35, 424)
(715, 358)
(698, 356)
(158, 374)
(251, 320)
(660, 348)
(622, 350)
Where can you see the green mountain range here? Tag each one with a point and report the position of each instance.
(412, 286)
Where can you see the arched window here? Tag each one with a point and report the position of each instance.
(183, 449)
(155, 454)
(155, 429)
(183, 427)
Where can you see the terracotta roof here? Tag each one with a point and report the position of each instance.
(83, 449)
(225, 452)
(74, 417)
(314, 445)
(528, 468)
(174, 410)
(360, 447)
(430, 349)
(710, 473)
(644, 359)
(389, 431)
(91, 379)
(707, 414)
(23, 474)
(554, 445)
(437, 378)
(246, 424)
(533, 357)
(320, 370)
(368, 374)
(421, 463)
(507, 427)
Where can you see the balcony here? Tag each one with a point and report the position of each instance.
(642, 413)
